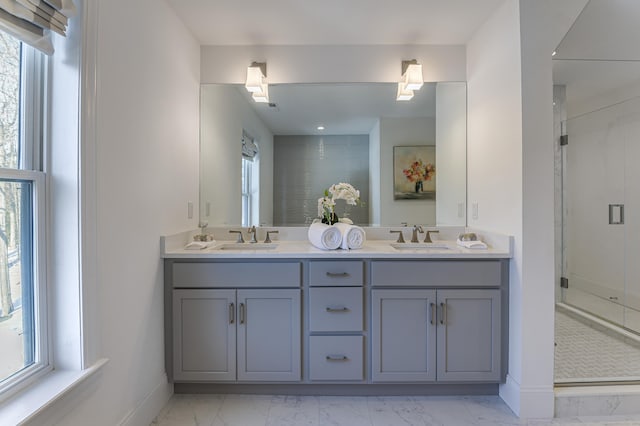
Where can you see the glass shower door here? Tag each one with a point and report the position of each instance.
(594, 195)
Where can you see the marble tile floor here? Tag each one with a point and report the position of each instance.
(275, 410)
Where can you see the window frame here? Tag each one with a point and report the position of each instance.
(33, 121)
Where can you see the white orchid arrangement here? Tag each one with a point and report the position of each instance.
(338, 191)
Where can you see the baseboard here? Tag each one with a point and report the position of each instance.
(150, 406)
(342, 389)
(528, 403)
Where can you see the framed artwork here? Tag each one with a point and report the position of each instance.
(414, 172)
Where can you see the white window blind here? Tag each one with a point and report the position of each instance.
(31, 21)
(249, 147)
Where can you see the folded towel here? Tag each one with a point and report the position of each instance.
(353, 237)
(472, 244)
(324, 237)
(199, 245)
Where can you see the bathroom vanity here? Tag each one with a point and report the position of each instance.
(379, 317)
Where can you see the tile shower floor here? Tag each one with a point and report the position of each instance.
(588, 352)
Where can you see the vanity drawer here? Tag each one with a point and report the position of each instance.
(335, 309)
(336, 358)
(236, 274)
(437, 273)
(332, 273)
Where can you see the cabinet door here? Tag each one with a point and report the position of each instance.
(403, 335)
(204, 335)
(468, 335)
(269, 335)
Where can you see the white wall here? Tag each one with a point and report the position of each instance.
(146, 171)
(331, 64)
(397, 132)
(451, 154)
(510, 154)
(374, 174)
(224, 114)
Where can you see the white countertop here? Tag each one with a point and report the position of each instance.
(173, 247)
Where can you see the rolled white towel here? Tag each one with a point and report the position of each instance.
(324, 237)
(353, 237)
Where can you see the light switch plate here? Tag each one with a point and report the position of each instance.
(474, 211)
(190, 210)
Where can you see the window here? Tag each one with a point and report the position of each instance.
(250, 185)
(247, 167)
(23, 336)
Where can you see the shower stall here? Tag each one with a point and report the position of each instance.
(598, 222)
(601, 211)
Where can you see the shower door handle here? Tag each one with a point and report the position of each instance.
(616, 214)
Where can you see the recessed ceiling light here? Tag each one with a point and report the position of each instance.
(320, 127)
(554, 53)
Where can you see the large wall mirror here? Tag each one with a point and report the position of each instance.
(268, 163)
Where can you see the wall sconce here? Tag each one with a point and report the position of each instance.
(257, 81)
(411, 80)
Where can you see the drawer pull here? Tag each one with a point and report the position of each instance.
(337, 274)
(242, 313)
(232, 313)
(337, 358)
(337, 309)
(432, 315)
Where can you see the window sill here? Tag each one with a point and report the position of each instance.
(44, 393)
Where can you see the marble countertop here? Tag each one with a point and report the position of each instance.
(173, 247)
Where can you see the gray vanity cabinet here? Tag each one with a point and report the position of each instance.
(244, 335)
(204, 335)
(436, 320)
(403, 339)
(427, 335)
(468, 333)
(235, 321)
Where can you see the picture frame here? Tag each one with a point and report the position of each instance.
(414, 172)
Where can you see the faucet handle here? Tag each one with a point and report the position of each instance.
(268, 240)
(252, 232)
(240, 238)
(400, 236)
(427, 239)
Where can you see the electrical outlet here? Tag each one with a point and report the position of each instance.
(474, 211)
(190, 210)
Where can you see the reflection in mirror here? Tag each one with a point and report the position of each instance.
(295, 160)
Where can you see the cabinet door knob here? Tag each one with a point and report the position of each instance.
(337, 358)
(232, 313)
(337, 309)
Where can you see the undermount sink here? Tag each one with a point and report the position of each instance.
(247, 246)
(420, 246)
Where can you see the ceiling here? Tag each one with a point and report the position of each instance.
(601, 50)
(601, 31)
(333, 22)
(343, 109)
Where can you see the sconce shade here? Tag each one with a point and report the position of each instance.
(403, 93)
(413, 77)
(257, 81)
(262, 95)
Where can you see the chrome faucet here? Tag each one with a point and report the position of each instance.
(252, 232)
(414, 235)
